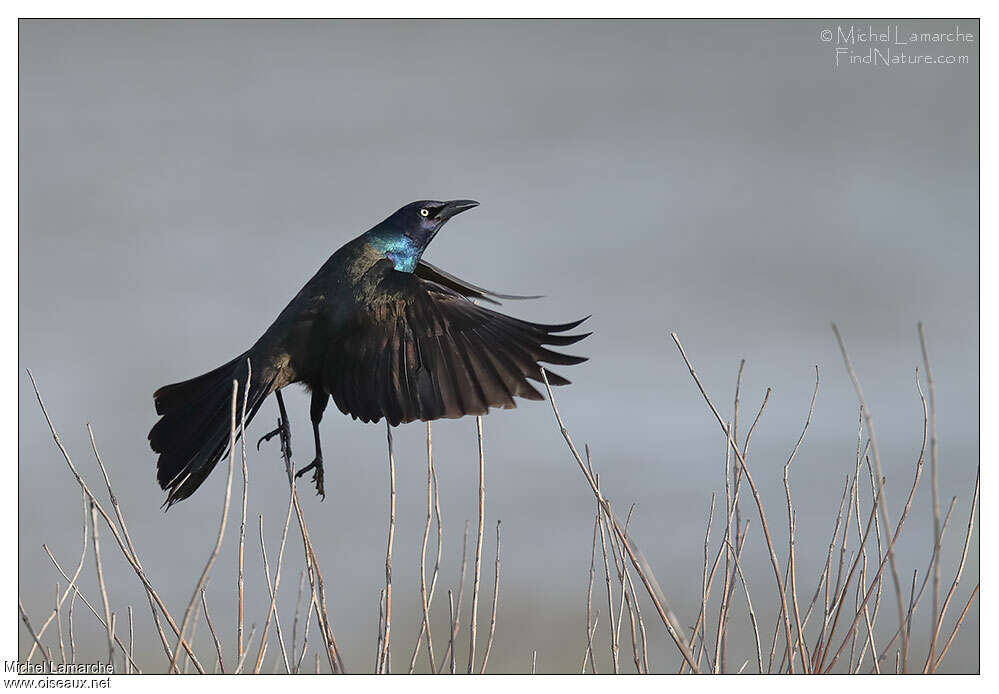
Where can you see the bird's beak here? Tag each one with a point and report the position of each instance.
(454, 207)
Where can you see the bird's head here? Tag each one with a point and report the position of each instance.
(404, 236)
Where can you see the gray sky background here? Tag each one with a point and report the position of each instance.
(179, 181)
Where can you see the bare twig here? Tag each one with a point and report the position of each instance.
(473, 627)
(756, 497)
(70, 587)
(211, 628)
(100, 580)
(126, 550)
(749, 601)
(704, 578)
(957, 576)
(589, 592)
(891, 543)
(240, 554)
(62, 642)
(386, 657)
(131, 642)
(93, 611)
(957, 625)
(128, 539)
(934, 485)
(790, 524)
(294, 623)
(610, 592)
(381, 631)
(926, 575)
(457, 607)
(249, 639)
(218, 539)
(425, 597)
(869, 422)
(634, 554)
(272, 594)
(453, 618)
(589, 645)
(27, 624)
(492, 616)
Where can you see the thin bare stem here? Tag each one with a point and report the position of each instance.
(589, 646)
(453, 618)
(790, 525)
(891, 543)
(100, 580)
(749, 601)
(381, 631)
(314, 574)
(218, 540)
(457, 607)
(70, 587)
(957, 625)
(298, 611)
(869, 422)
(246, 652)
(425, 598)
(908, 620)
(126, 550)
(473, 627)
(935, 488)
(58, 619)
(211, 628)
(926, 575)
(957, 575)
(272, 593)
(93, 611)
(386, 657)
(634, 554)
(131, 642)
(733, 512)
(704, 577)
(241, 551)
(305, 636)
(610, 594)
(492, 616)
(589, 592)
(756, 496)
(641, 624)
(128, 540)
(27, 624)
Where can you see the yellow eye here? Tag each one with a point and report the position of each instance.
(424, 212)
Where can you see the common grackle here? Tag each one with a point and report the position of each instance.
(383, 332)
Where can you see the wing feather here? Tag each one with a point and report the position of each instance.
(426, 351)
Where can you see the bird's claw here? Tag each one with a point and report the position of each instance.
(284, 432)
(317, 475)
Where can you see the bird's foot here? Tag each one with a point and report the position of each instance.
(285, 433)
(317, 475)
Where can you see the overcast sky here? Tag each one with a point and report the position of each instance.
(179, 181)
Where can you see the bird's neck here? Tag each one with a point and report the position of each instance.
(403, 251)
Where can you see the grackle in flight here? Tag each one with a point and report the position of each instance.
(383, 332)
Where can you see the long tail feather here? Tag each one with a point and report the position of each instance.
(193, 432)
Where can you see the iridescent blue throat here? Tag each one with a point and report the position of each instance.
(403, 251)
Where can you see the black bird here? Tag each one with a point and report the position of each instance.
(383, 332)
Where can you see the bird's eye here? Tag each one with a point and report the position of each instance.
(424, 212)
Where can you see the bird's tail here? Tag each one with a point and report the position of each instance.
(193, 432)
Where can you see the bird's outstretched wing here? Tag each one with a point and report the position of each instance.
(425, 270)
(423, 351)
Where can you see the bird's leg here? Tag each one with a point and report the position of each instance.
(283, 429)
(319, 401)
